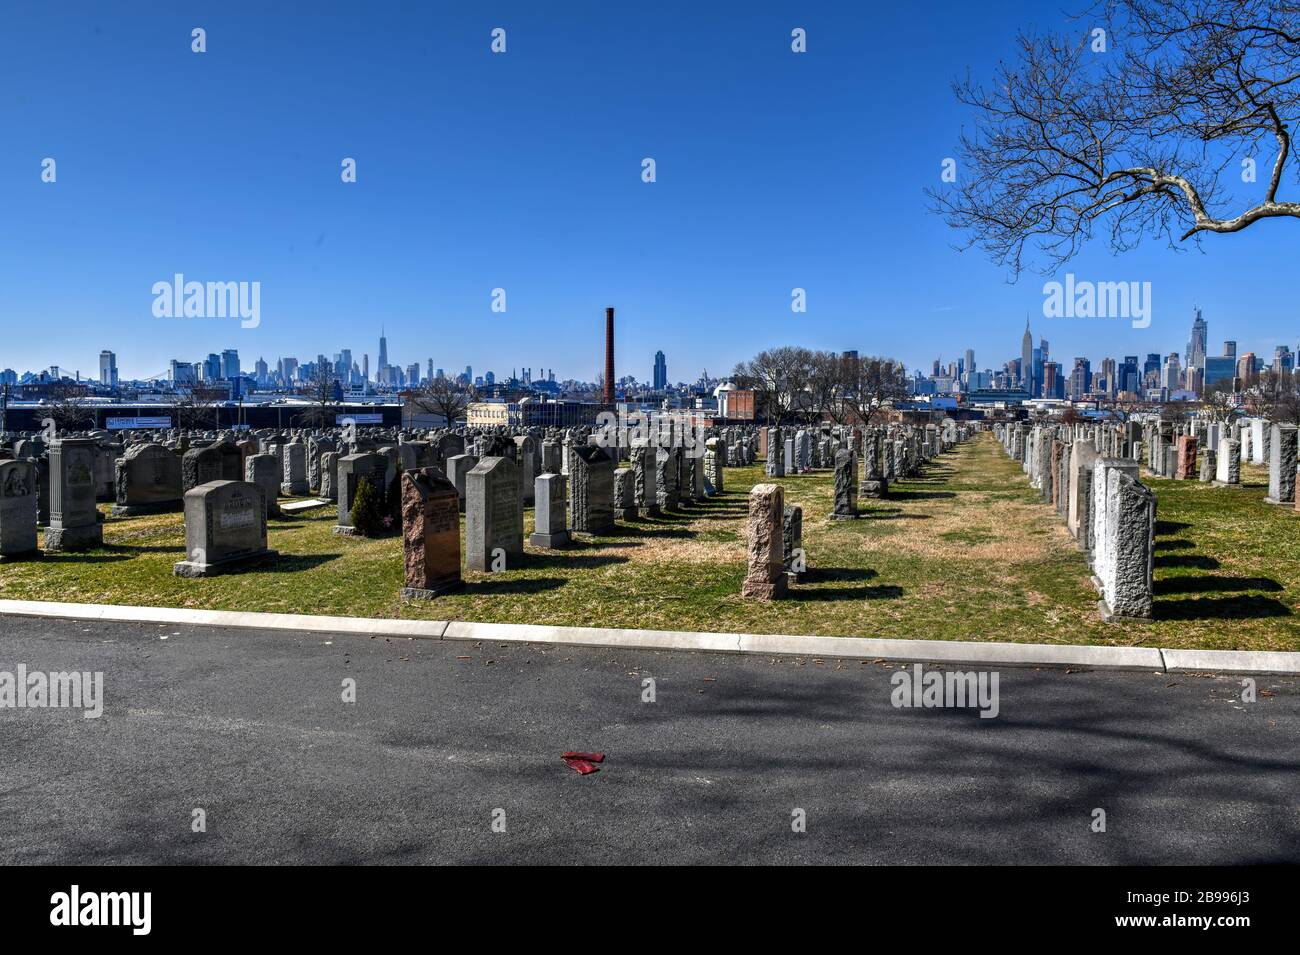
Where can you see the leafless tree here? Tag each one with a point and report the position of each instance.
(68, 406)
(443, 397)
(870, 386)
(321, 392)
(1137, 140)
(195, 410)
(1275, 395)
(776, 375)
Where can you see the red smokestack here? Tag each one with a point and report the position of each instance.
(609, 356)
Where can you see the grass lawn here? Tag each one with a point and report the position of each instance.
(965, 552)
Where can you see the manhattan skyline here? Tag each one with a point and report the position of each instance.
(523, 171)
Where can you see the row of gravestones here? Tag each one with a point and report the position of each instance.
(1107, 509)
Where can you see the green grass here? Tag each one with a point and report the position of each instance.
(964, 552)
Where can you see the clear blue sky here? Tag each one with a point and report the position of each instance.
(522, 171)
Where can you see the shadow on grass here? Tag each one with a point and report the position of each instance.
(64, 557)
(1169, 527)
(293, 563)
(517, 585)
(125, 550)
(1205, 584)
(879, 592)
(1245, 607)
(818, 574)
(1188, 560)
(920, 495)
(1179, 544)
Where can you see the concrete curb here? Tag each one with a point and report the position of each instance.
(949, 652)
(1231, 661)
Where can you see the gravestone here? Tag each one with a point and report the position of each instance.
(457, 466)
(18, 508)
(793, 557)
(295, 470)
(624, 494)
(775, 460)
(329, 469)
(352, 468)
(549, 512)
(1228, 464)
(526, 458)
(666, 478)
(846, 486)
(494, 515)
(644, 489)
(1209, 465)
(430, 534)
(1125, 567)
(74, 521)
(148, 481)
(765, 577)
(1281, 464)
(591, 492)
(225, 528)
(265, 471)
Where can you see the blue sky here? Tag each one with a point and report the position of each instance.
(523, 171)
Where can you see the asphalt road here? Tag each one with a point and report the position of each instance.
(250, 726)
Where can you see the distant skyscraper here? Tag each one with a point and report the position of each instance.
(1080, 378)
(383, 351)
(660, 372)
(108, 369)
(970, 363)
(1196, 347)
(1229, 349)
(1027, 360)
(230, 364)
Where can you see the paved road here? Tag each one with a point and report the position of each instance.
(251, 727)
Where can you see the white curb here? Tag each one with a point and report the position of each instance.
(1231, 661)
(426, 629)
(951, 652)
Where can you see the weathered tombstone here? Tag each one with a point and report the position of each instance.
(549, 512)
(74, 521)
(148, 481)
(352, 469)
(494, 515)
(1125, 567)
(295, 470)
(225, 528)
(644, 471)
(591, 494)
(457, 466)
(793, 555)
(1209, 465)
(552, 457)
(1083, 460)
(18, 508)
(430, 534)
(775, 466)
(526, 458)
(1282, 464)
(765, 577)
(666, 478)
(265, 471)
(329, 469)
(715, 460)
(624, 494)
(1229, 464)
(846, 486)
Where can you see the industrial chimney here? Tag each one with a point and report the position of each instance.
(609, 357)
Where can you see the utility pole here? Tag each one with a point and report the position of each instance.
(4, 409)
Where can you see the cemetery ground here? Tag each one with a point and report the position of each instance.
(966, 551)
